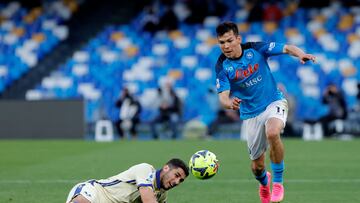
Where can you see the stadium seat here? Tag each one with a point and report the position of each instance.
(27, 34)
(312, 132)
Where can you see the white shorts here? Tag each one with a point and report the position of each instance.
(254, 128)
(87, 190)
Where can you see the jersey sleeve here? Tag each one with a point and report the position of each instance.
(163, 198)
(222, 79)
(144, 174)
(268, 48)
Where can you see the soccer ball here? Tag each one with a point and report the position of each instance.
(203, 164)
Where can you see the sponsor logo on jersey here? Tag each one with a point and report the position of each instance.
(87, 194)
(150, 178)
(253, 81)
(229, 69)
(249, 55)
(271, 46)
(244, 73)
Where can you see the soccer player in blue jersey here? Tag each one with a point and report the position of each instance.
(244, 82)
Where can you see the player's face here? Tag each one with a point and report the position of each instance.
(230, 44)
(172, 177)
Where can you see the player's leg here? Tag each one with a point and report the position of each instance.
(79, 199)
(257, 144)
(258, 169)
(83, 193)
(274, 126)
(277, 113)
(277, 157)
(264, 178)
(75, 196)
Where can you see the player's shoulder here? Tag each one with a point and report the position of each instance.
(142, 168)
(220, 62)
(253, 45)
(221, 58)
(144, 165)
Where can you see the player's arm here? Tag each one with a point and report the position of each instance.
(147, 195)
(79, 199)
(227, 102)
(296, 51)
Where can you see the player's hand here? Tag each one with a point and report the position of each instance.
(235, 103)
(307, 57)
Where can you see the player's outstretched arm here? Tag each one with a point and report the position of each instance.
(79, 199)
(147, 195)
(296, 51)
(227, 102)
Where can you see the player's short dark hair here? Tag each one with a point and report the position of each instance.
(225, 27)
(178, 163)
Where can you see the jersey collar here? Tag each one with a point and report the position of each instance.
(158, 181)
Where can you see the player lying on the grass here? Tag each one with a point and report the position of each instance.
(244, 82)
(140, 183)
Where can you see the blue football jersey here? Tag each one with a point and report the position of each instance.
(249, 77)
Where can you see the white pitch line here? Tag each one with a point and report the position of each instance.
(49, 181)
(292, 180)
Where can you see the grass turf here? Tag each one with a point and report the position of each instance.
(45, 170)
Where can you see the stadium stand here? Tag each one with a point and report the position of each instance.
(125, 55)
(27, 35)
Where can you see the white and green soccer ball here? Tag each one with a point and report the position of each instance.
(203, 164)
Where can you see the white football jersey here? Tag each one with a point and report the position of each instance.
(123, 187)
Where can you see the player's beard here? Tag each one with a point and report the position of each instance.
(163, 179)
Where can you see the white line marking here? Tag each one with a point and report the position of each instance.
(49, 181)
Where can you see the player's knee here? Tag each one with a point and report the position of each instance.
(272, 133)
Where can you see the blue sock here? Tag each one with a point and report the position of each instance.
(262, 178)
(278, 170)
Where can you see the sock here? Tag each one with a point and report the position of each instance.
(278, 170)
(262, 178)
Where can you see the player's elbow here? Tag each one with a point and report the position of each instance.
(287, 48)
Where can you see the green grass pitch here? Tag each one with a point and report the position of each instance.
(44, 171)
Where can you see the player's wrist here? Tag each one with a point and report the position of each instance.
(230, 105)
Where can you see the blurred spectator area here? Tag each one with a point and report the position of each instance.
(28, 31)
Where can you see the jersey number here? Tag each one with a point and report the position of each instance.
(280, 111)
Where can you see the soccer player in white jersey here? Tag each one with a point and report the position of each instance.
(141, 183)
(244, 82)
